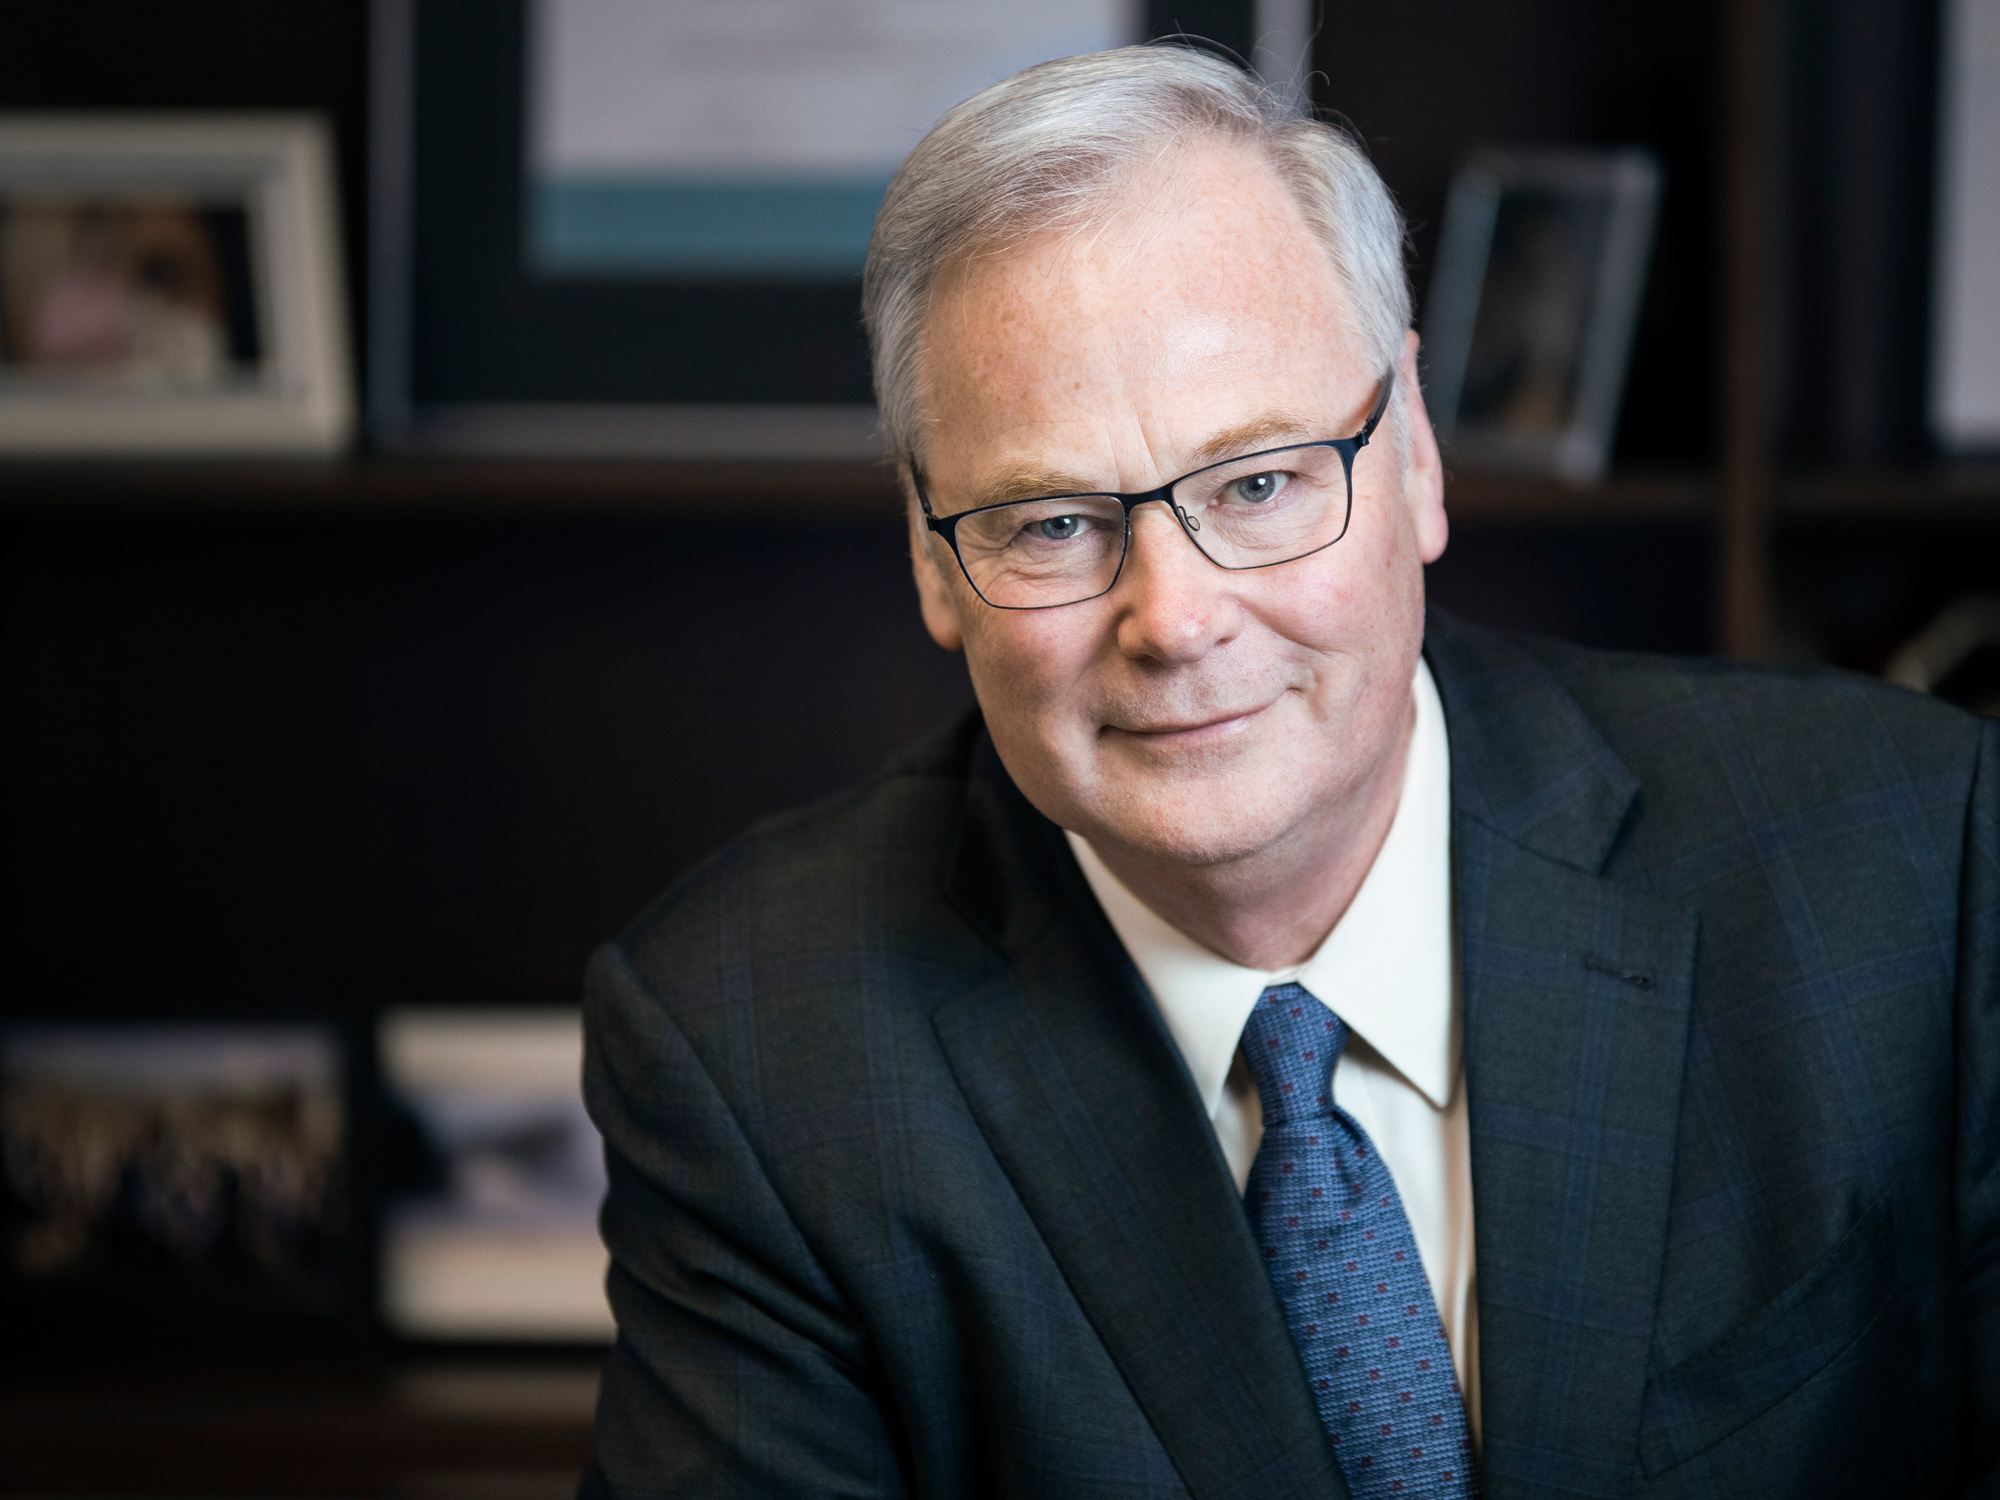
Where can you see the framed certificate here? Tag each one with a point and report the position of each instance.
(619, 227)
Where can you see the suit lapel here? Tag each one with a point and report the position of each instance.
(1085, 1101)
(1577, 990)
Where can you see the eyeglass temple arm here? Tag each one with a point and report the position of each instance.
(1381, 406)
(941, 527)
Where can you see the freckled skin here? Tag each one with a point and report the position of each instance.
(1232, 743)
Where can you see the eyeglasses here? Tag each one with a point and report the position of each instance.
(1274, 506)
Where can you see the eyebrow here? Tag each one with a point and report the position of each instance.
(1274, 429)
(1032, 484)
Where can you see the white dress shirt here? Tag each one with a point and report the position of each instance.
(1388, 969)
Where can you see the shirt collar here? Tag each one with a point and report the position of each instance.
(1385, 969)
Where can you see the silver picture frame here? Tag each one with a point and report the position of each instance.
(170, 285)
(1539, 275)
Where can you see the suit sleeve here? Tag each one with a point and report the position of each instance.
(1978, 1184)
(737, 1369)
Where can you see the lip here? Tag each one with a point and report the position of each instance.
(1194, 732)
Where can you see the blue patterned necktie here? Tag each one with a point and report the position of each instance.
(1345, 1266)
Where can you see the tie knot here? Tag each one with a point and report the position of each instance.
(1291, 1043)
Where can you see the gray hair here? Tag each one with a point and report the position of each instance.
(1039, 152)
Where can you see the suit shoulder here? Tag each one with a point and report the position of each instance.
(1714, 749)
(1828, 759)
(810, 880)
(1812, 707)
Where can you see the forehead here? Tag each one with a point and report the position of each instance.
(1198, 302)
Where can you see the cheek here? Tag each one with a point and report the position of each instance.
(1361, 587)
(1385, 573)
(1358, 618)
(1024, 668)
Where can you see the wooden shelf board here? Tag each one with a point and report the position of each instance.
(708, 490)
(1485, 497)
(715, 491)
(1950, 493)
(425, 486)
(295, 1433)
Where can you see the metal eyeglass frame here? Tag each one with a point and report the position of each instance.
(1347, 448)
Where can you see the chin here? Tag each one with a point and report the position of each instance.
(1207, 825)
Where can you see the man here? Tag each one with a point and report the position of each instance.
(1286, 1044)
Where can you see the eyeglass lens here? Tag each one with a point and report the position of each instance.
(1248, 513)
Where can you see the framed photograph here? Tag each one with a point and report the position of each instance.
(176, 1170)
(170, 285)
(489, 1224)
(1541, 267)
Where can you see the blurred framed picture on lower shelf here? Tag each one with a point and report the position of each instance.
(176, 1182)
(493, 1179)
(170, 284)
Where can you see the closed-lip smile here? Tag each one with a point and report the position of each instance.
(1215, 726)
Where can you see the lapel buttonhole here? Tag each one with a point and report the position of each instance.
(1625, 976)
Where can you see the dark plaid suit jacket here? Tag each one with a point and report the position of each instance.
(911, 1192)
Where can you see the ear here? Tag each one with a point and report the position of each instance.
(1423, 472)
(934, 589)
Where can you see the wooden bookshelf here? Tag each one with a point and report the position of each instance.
(515, 1429)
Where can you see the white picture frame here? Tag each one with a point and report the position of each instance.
(99, 361)
(1965, 297)
(1540, 272)
(504, 1246)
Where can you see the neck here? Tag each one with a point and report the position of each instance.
(1273, 908)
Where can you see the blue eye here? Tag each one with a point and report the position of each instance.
(1257, 488)
(1059, 528)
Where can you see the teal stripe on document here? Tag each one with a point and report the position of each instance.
(708, 229)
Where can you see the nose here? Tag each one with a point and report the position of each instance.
(1174, 604)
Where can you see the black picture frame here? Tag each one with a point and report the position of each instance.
(1534, 300)
(470, 351)
(153, 1305)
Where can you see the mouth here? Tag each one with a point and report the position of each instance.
(1191, 732)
